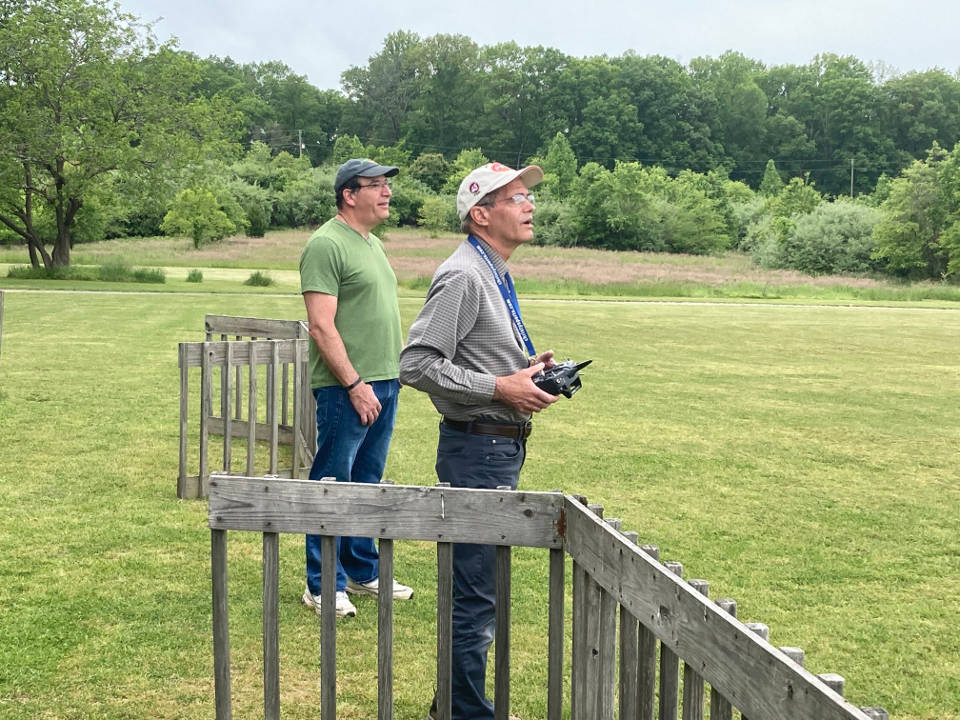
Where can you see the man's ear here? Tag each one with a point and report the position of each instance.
(478, 213)
(348, 198)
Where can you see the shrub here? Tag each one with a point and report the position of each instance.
(438, 214)
(28, 272)
(149, 275)
(195, 276)
(197, 214)
(116, 270)
(259, 279)
(307, 201)
(555, 224)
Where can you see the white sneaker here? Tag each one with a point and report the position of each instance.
(344, 607)
(400, 592)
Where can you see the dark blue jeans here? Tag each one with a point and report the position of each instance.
(475, 461)
(350, 452)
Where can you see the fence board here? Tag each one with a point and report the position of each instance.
(271, 626)
(752, 674)
(385, 633)
(555, 636)
(259, 327)
(501, 695)
(399, 512)
(221, 625)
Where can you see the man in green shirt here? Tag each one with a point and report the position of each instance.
(350, 292)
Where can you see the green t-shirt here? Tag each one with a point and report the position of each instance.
(339, 261)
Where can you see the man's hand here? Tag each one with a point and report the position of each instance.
(545, 357)
(365, 402)
(519, 392)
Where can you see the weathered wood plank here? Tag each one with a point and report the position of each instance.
(225, 410)
(251, 417)
(647, 660)
(501, 678)
(555, 624)
(385, 634)
(444, 694)
(221, 625)
(206, 410)
(272, 415)
(328, 628)
(271, 626)
(629, 658)
(753, 675)
(185, 489)
(398, 512)
(259, 327)
(669, 667)
(693, 685)
(262, 352)
(720, 708)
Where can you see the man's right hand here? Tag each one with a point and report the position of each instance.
(519, 392)
(365, 402)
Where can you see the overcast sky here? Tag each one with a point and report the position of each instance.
(322, 39)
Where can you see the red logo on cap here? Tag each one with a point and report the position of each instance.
(474, 187)
(497, 167)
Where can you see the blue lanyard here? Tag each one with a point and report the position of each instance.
(509, 294)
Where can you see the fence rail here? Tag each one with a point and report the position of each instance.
(288, 406)
(611, 575)
(229, 359)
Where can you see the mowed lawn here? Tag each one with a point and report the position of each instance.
(804, 460)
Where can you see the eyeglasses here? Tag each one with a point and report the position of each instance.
(378, 186)
(516, 199)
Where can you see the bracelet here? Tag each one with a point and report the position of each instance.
(352, 385)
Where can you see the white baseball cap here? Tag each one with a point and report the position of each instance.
(484, 180)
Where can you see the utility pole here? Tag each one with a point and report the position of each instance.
(300, 148)
(851, 177)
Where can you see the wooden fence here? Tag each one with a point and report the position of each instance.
(230, 405)
(631, 614)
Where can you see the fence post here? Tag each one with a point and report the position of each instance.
(647, 660)
(501, 673)
(629, 655)
(221, 625)
(720, 707)
(444, 624)
(384, 609)
(692, 682)
(271, 627)
(669, 667)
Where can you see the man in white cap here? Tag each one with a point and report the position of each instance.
(470, 351)
(350, 292)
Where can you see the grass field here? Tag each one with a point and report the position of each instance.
(802, 459)
(540, 271)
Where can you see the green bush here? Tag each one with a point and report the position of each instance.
(438, 214)
(115, 270)
(432, 169)
(259, 279)
(28, 272)
(554, 224)
(149, 275)
(195, 276)
(198, 214)
(408, 197)
(307, 201)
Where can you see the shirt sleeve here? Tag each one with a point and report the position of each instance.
(321, 267)
(427, 361)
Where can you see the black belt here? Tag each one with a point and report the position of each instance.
(520, 431)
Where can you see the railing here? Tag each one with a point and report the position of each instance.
(611, 574)
(229, 403)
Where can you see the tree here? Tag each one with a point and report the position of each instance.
(196, 212)
(920, 234)
(87, 98)
(772, 183)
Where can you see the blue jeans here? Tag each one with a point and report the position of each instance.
(475, 461)
(350, 452)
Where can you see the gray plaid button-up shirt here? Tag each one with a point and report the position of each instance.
(463, 339)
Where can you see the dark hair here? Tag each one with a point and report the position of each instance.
(352, 185)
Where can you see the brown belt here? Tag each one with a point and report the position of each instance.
(521, 431)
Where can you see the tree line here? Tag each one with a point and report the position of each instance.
(105, 131)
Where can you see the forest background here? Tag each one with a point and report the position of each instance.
(832, 166)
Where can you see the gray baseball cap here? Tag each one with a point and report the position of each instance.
(360, 167)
